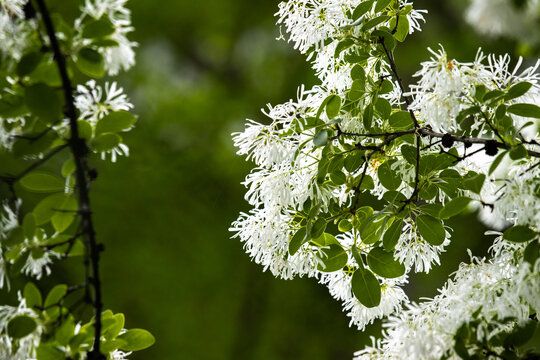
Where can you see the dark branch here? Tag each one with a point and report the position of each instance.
(470, 140)
(79, 152)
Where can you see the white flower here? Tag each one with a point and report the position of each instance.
(310, 22)
(447, 86)
(8, 222)
(437, 94)
(93, 101)
(24, 348)
(9, 218)
(114, 9)
(121, 56)
(38, 263)
(426, 330)
(119, 355)
(413, 251)
(13, 7)
(14, 35)
(392, 297)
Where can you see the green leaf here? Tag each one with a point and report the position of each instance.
(400, 120)
(383, 264)
(388, 178)
(474, 183)
(136, 339)
(40, 181)
(65, 214)
(518, 152)
(354, 161)
(358, 73)
(113, 330)
(454, 207)
(334, 258)
(325, 239)
(32, 295)
(333, 106)
(479, 92)
(112, 344)
(299, 238)
(381, 4)
(68, 168)
(106, 142)
(517, 90)
(29, 225)
(386, 87)
(525, 110)
(371, 231)
(383, 107)
(47, 72)
(364, 212)
(366, 287)
(55, 295)
(104, 43)
(409, 153)
(431, 229)
(65, 332)
(343, 45)
(21, 326)
(374, 22)
(367, 116)
(519, 234)
(45, 209)
(362, 8)
(521, 334)
(358, 89)
(85, 130)
(28, 63)
(115, 121)
(493, 95)
(500, 112)
(98, 29)
(43, 101)
(318, 228)
(344, 225)
(496, 162)
(392, 234)
(402, 28)
(49, 352)
(338, 177)
(367, 182)
(532, 252)
(90, 62)
(321, 138)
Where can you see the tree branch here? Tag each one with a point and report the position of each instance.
(79, 151)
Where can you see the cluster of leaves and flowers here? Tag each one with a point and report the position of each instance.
(465, 135)
(54, 119)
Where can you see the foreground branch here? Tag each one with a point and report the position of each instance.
(79, 151)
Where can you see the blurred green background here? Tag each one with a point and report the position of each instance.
(163, 212)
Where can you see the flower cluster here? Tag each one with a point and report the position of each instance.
(486, 291)
(354, 180)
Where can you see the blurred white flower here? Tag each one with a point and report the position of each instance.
(504, 18)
